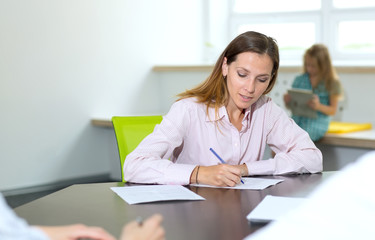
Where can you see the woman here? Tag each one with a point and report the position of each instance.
(229, 113)
(320, 77)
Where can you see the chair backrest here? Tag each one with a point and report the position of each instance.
(130, 131)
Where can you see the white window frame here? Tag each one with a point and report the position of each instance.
(326, 19)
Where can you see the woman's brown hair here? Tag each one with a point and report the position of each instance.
(213, 91)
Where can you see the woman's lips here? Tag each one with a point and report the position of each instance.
(246, 98)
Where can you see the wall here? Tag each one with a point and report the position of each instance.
(65, 62)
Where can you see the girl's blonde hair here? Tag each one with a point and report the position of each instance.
(320, 53)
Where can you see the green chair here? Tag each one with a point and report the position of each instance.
(130, 131)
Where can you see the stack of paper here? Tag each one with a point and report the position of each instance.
(249, 183)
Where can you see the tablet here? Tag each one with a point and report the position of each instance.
(298, 103)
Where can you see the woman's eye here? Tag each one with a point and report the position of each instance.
(241, 75)
(263, 80)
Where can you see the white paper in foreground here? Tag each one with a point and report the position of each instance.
(249, 183)
(272, 207)
(154, 193)
(342, 207)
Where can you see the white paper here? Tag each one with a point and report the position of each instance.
(154, 193)
(249, 183)
(272, 207)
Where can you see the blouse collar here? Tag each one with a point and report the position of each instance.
(223, 114)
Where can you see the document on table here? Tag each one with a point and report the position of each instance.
(249, 183)
(273, 207)
(154, 193)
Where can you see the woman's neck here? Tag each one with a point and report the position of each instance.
(236, 117)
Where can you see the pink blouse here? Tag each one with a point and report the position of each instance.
(183, 139)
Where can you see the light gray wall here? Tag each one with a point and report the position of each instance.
(63, 62)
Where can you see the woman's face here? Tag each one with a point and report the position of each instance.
(247, 78)
(311, 65)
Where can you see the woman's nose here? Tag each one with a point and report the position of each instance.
(250, 86)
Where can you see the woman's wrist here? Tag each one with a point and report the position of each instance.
(194, 175)
(244, 170)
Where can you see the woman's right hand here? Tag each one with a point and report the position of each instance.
(222, 175)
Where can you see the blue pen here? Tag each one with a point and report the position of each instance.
(221, 160)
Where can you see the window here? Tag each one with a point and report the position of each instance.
(345, 26)
(352, 39)
(251, 6)
(290, 46)
(353, 4)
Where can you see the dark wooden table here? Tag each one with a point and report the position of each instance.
(221, 216)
